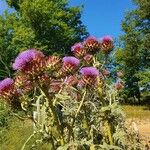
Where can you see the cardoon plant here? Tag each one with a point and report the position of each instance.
(73, 102)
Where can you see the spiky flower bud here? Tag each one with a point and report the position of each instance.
(23, 83)
(71, 80)
(89, 76)
(78, 50)
(106, 44)
(53, 63)
(70, 64)
(88, 58)
(91, 44)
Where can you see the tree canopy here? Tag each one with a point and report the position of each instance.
(134, 55)
(48, 25)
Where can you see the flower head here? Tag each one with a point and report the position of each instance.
(107, 38)
(70, 64)
(7, 89)
(78, 50)
(71, 60)
(71, 80)
(23, 83)
(91, 44)
(89, 76)
(89, 71)
(90, 39)
(55, 86)
(106, 72)
(76, 47)
(53, 62)
(6, 84)
(88, 58)
(106, 44)
(25, 58)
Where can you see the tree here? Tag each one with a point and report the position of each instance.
(48, 25)
(134, 56)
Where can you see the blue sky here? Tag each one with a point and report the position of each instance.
(102, 17)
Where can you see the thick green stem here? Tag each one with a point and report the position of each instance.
(109, 133)
(87, 122)
(59, 127)
(78, 110)
(53, 145)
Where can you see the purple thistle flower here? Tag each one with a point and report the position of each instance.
(25, 57)
(76, 46)
(78, 50)
(6, 84)
(71, 60)
(91, 44)
(70, 64)
(106, 38)
(106, 43)
(89, 71)
(90, 39)
(89, 77)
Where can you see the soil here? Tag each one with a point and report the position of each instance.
(142, 127)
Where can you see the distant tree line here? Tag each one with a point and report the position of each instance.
(133, 57)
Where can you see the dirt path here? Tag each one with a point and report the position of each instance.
(143, 128)
(144, 131)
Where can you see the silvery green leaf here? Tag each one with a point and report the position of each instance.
(62, 96)
(65, 147)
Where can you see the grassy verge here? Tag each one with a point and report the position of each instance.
(139, 112)
(16, 135)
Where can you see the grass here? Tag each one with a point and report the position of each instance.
(16, 135)
(139, 112)
(18, 131)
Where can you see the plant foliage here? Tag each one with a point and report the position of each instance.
(70, 100)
